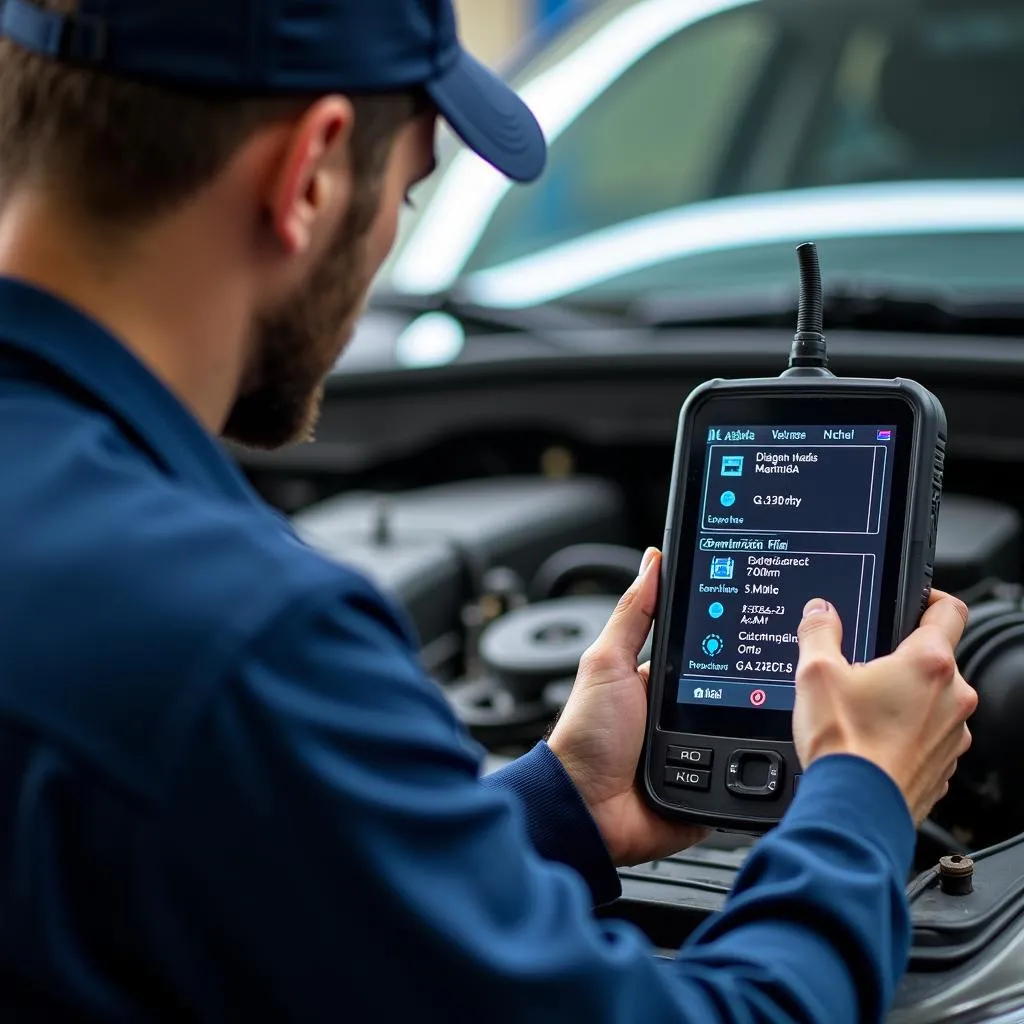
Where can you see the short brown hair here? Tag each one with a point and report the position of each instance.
(125, 152)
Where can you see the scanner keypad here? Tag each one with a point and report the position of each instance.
(687, 778)
(755, 774)
(691, 757)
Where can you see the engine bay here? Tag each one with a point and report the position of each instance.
(509, 546)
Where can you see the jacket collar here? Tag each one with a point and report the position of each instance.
(41, 326)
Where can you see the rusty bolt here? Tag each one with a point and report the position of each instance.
(956, 875)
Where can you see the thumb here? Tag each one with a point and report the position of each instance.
(627, 630)
(821, 634)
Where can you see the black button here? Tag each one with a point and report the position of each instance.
(757, 774)
(690, 756)
(796, 782)
(688, 778)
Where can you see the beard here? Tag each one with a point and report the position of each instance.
(297, 345)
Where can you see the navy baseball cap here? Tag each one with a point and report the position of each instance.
(283, 47)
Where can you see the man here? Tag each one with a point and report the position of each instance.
(227, 791)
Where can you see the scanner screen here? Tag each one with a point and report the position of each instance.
(787, 513)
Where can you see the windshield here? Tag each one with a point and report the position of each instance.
(693, 142)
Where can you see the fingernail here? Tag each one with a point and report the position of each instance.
(816, 607)
(648, 558)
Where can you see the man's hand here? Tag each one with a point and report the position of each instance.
(600, 733)
(906, 713)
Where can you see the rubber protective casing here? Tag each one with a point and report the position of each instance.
(924, 491)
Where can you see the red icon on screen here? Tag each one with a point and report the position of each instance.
(757, 698)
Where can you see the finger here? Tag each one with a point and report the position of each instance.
(644, 672)
(937, 796)
(627, 630)
(955, 745)
(932, 646)
(966, 739)
(820, 635)
(946, 614)
(665, 839)
(968, 697)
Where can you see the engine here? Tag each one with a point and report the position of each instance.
(508, 581)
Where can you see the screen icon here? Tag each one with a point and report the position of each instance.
(722, 567)
(732, 465)
(728, 499)
(712, 645)
(757, 698)
(885, 435)
(717, 610)
(699, 693)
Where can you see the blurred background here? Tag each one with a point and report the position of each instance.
(496, 445)
(493, 29)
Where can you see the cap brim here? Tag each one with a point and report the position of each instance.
(490, 118)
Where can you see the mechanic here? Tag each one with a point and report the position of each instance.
(227, 790)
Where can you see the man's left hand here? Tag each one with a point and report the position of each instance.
(600, 733)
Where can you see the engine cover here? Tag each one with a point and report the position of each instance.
(431, 548)
(967, 955)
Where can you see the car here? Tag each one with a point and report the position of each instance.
(495, 447)
(693, 144)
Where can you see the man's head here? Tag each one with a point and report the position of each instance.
(301, 126)
(297, 339)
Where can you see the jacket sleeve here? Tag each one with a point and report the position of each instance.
(329, 852)
(557, 820)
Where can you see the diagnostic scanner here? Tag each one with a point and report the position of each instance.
(783, 489)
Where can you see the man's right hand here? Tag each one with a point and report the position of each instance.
(907, 712)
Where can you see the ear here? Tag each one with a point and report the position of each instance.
(314, 179)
